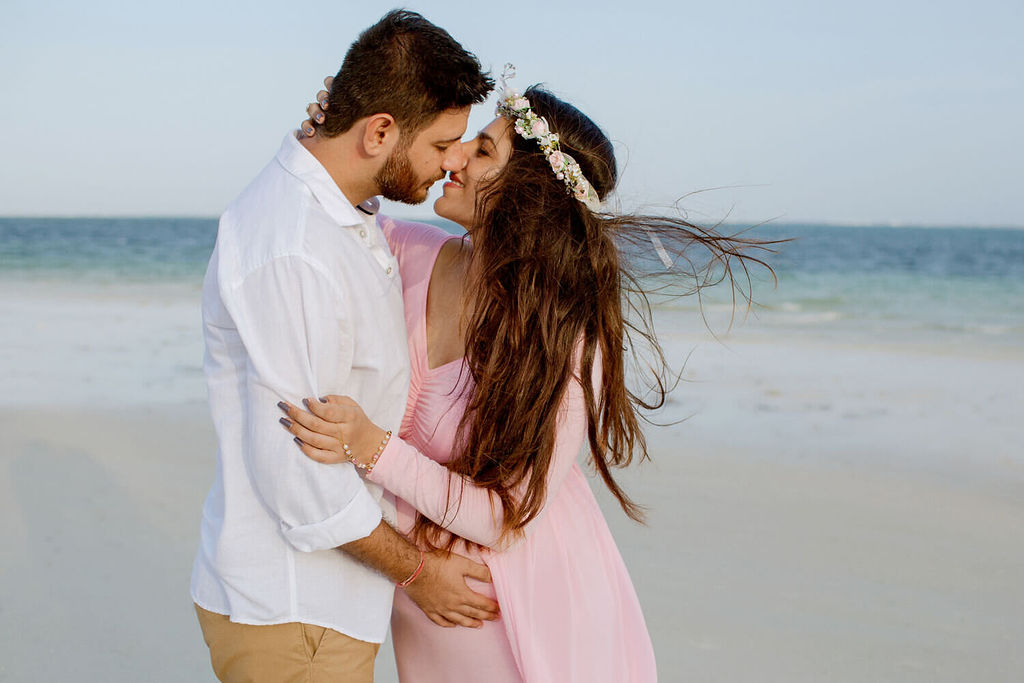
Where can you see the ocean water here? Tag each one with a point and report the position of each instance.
(919, 285)
(105, 250)
(95, 307)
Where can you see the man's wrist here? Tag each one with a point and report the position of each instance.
(419, 569)
(386, 551)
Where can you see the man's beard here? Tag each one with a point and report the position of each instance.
(398, 182)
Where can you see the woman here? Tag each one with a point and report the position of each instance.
(517, 338)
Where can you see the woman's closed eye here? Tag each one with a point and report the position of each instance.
(485, 148)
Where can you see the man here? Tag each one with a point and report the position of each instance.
(296, 566)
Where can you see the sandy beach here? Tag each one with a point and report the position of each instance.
(827, 512)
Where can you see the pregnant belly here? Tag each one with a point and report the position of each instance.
(428, 653)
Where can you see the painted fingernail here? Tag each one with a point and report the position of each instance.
(320, 118)
(305, 402)
(323, 399)
(283, 406)
(309, 131)
(298, 441)
(323, 103)
(285, 421)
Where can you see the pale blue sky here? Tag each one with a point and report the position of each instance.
(867, 112)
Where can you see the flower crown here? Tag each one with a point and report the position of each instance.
(514, 106)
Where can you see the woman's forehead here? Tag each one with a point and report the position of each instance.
(499, 131)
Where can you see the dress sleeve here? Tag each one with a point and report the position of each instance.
(454, 501)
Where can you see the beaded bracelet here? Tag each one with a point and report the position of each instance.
(376, 456)
(412, 577)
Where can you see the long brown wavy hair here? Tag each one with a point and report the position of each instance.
(552, 287)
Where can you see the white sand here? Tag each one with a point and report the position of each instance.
(828, 513)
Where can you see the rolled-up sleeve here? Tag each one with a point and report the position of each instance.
(292, 319)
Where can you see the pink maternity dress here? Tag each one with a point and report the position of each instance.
(568, 609)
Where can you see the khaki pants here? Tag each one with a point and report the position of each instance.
(284, 653)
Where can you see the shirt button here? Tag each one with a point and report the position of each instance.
(362, 233)
(388, 271)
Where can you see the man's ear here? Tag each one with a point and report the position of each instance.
(380, 134)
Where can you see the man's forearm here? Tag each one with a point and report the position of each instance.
(387, 551)
(441, 590)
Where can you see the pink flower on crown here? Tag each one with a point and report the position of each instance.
(521, 103)
(557, 161)
(540, 127)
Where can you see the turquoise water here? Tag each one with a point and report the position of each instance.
(888, 284)
(106, 249)
(832, 279)
(960, 279)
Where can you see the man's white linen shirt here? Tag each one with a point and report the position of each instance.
(301, 299)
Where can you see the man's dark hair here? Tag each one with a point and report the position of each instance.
(407, 67)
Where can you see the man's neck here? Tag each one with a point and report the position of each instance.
(350, 177)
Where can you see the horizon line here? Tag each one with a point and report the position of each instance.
(838, 223)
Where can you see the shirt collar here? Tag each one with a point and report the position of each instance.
(298, 161)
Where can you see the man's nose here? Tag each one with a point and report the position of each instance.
(455, 159)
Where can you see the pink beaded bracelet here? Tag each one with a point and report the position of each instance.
(376, 456)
